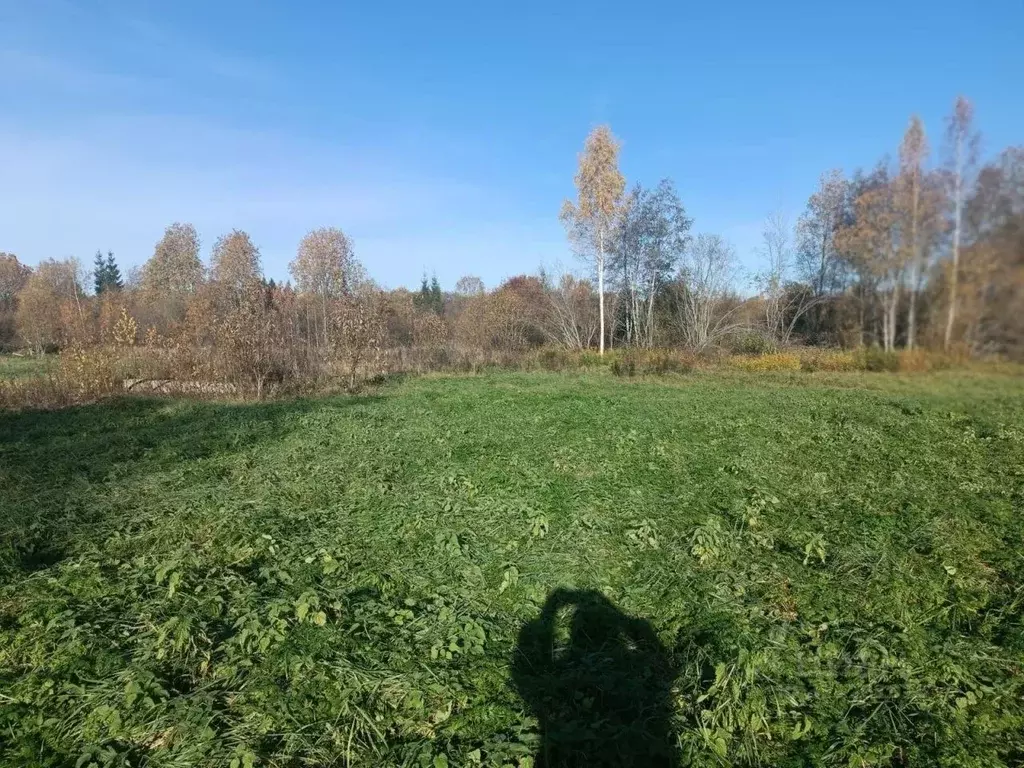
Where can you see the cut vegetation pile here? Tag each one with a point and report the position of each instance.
(711, 570)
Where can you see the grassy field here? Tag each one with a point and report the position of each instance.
(518, 570)
(24, 367)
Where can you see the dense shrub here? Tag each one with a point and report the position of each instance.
(79, 375)
(641, 362)
(588, 358)
(815, 359)
(90, 373)
(160, 365)
(625, 364)
(38, 392)
(923, 360)
(877, 360)
(554, 359)
(752, 343)
(660, 362)
(780, 361)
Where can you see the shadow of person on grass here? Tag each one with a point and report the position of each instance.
(598, 681)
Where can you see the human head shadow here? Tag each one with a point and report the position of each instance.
(601, 691)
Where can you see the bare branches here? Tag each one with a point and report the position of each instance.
(707, 275)
(572, 320)
(469, 285)
(251, 336)
(50, 305)
(785, 302)
(359, 328)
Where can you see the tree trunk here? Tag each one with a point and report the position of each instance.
(821, 268)
(310, 330)
(600, 289)
(353, 365)
(632, 330)
(957, 211)
(323, 302)
(951, 316)
(893, 312)
(650, 314)
(860, 318)
(820, 309)
(915, 268)
(892, 327)
(912, 313)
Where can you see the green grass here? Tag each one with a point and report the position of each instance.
(713, 570)
(18, 367)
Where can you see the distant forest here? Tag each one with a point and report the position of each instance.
(924, 251)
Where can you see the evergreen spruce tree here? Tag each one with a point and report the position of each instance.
(423, 298)
(436, 297)
(113, 276)
(106, 274)
(99, 271)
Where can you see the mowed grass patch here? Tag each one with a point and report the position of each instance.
(23, 367)
(792, 569)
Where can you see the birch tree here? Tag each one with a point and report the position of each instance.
(908, 199)
(591, 220)
(360, 319)
(49, 311)
(235, 262)
(652, 235)
(172, 275)
(816, 229)
(961, 154)
(872, 243)
(326, 269)
(13, 276)
(990, 303)
(174, 267)
(469, 285)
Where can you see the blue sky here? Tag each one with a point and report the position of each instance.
(443, 136)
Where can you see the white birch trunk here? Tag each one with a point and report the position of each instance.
(600, 289)
(915, 268)
(957, 215)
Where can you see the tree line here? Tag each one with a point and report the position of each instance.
(924, 251)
